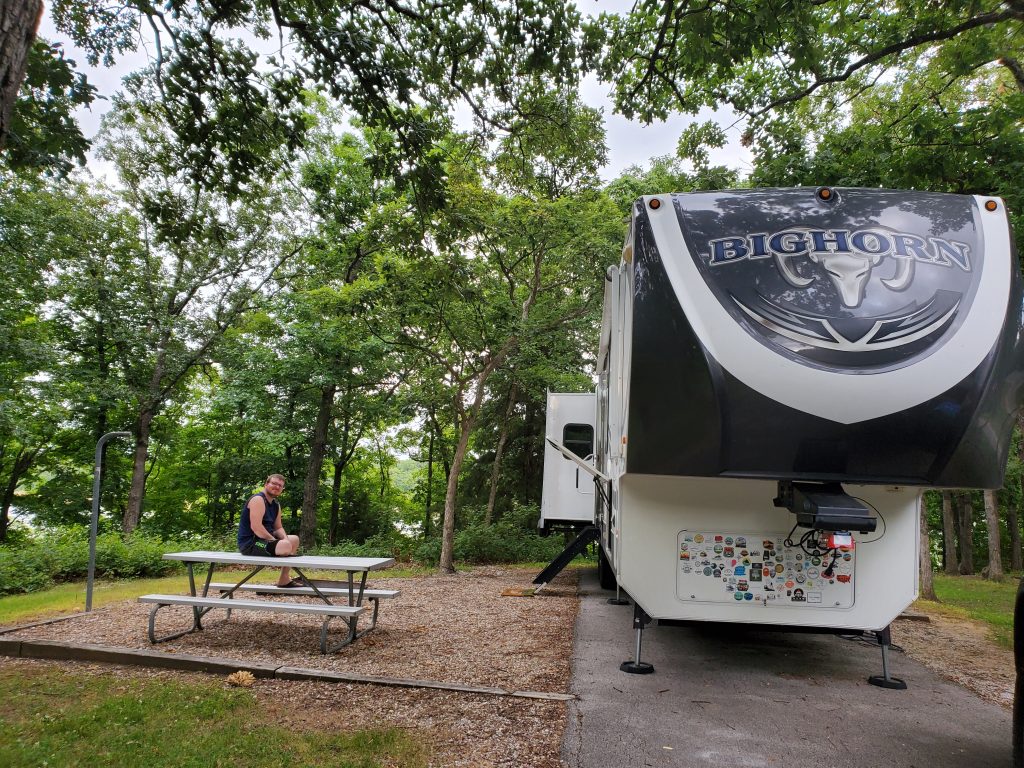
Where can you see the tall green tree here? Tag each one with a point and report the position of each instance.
(46, 232)
(203, 262)
(762, 58)
(504, 272)
(402, 66)
(18, 23)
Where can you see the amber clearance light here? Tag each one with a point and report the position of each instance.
(991, 205)
(655, 203)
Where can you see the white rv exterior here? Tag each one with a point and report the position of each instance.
(713, 391)
(567, 498)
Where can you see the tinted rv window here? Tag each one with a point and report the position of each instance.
(579, 438)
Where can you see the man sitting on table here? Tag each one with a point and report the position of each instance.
(261, 532)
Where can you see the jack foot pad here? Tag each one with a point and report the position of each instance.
(893, 683)
(617, 601)
(636, 667)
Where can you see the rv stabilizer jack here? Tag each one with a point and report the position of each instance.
(637, 667)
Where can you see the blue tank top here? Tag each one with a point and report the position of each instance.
(246, 537)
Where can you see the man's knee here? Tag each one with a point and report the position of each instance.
(295, 542)
(284, 547)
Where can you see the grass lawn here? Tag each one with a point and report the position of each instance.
(978, 599)
(70, 598)
(51, 717)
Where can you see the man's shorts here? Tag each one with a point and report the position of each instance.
(260, 548)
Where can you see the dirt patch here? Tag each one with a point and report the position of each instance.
(960, 650)
(455, 629)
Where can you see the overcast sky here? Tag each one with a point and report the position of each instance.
(629, 142)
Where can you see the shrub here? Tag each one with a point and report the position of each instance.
(428, 552)
(63, 555)
(502, 542)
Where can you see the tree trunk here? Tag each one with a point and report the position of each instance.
(332, 532)
(311, 489)
(133, 512)
(498, 453)
(949, 564)
(995, 555)
(448, 528)
(430, 485)
(1013, 524)
(19, 20)
(22, 461)
(927, 585)
(966, 534)
(532, 475)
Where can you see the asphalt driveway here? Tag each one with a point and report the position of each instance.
(728, 696)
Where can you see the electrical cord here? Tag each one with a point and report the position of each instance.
(870, 639)
(880, 517)
(809, 542)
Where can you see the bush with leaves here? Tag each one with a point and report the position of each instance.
(62, 554)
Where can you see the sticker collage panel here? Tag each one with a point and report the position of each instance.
(759, 569)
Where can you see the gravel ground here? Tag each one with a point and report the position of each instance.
(961, 651)
(455, 628)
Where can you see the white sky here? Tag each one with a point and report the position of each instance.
(629, 142)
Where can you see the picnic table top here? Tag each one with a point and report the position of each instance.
(313, 562)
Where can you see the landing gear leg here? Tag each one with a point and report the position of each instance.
(637, 667)
(884, 680)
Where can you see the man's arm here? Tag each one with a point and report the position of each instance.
(279, 530)
(256, 509)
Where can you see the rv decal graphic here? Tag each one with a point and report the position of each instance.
(847, 257)
(845, 291)
(834, 333)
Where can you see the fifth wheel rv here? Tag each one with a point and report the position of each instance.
(780, 374)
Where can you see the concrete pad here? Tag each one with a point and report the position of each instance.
(729, 695)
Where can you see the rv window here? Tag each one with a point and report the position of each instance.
(579, 438)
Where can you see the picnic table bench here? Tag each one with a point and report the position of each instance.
(353, 593)
(373, 595)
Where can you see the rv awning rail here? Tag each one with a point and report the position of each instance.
(590, 469)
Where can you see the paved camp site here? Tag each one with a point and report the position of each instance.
(733, 696)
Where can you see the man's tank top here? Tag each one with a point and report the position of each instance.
(246, 537)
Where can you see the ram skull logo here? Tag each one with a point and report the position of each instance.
(849, 273)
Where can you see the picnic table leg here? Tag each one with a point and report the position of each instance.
(353, 598)
(352, 634)
(197, 614)
(209, 578)
(196, 626)
(228, 595)
(309, 583)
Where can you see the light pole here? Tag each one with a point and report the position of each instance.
(94, 528)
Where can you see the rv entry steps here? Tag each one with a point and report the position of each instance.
(577, 545)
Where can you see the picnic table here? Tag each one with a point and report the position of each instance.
(352, 592)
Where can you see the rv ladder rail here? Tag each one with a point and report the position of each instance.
(577, 545)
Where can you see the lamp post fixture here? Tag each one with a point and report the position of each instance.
(94, 527)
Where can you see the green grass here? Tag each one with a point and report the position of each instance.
(70, 597)
(980, 600)
(57, 718)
